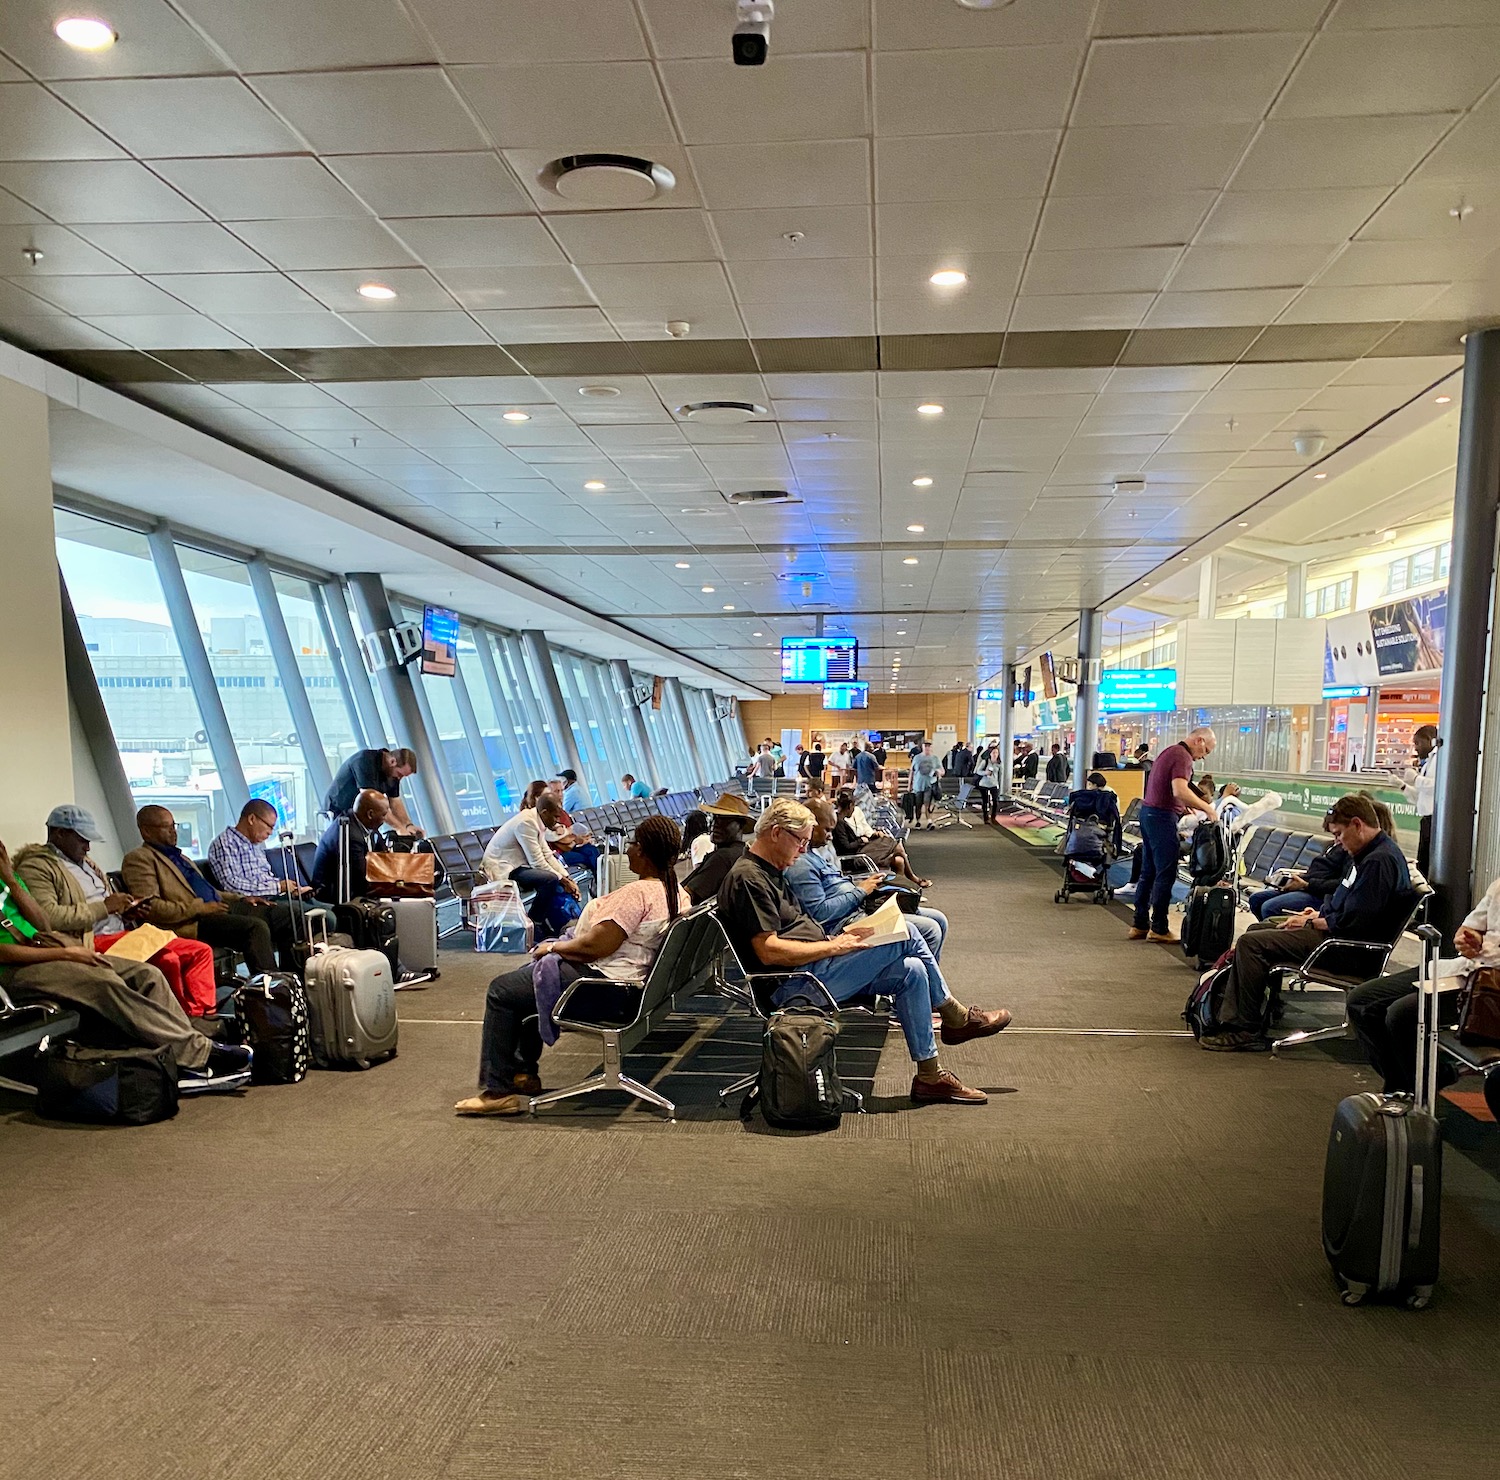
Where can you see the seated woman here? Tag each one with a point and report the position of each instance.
(852, 834)
(696, 843)
(617, 936)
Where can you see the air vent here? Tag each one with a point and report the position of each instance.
(720, 413)
(1130, 485)
(762, 496)
(803, 576)
(606, 179)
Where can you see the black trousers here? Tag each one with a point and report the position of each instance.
(1383, 1013)
(254, 930)
(510, 1042)
(988, 795)
(1424, 846)
(1256, 952)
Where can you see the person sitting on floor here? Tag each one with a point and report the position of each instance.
(79, 903)
(39, 965)
(729, 820)
(519, 851)
(1305, 890)
(364, 823)
(852, 835)
(1372, 899)
(771, 932)
(617, 937)
(834, 900)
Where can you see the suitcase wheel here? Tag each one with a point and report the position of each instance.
(1420, 1298)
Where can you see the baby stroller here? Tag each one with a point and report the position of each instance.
(1091, 844)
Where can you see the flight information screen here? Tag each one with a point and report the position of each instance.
(1137, 690)
(819, 659)
(846, 696)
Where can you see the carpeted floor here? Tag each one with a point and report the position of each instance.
(1111, 1270)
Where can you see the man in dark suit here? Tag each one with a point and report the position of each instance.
(370, 811)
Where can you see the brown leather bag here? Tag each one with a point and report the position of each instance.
(403, 875)
(1479, 1007)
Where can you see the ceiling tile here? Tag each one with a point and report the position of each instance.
(917, 25)
(986, 89)
(479, 241)
(1251, 306)
(1426, 69)
(820, 231)
(418, 328)
(1467, 259)
(1076, 222)
(167, 331)
(179, 246)
(803, 282)
(964, 167)
(1184, 79)
(35, 125)
(634, 236)
(1361, 305)
(431, 184)
(516, 287)
(790, 98)
(154, 41)
(62, 252)
(1080, 311)
(1208, 267)
(1289, 217)
(546, 325)
(1122, 270)
(1428, 211)
(571, 108)
(1176, 17)
(218, 293)
(291, 36)
(948, 233)
(734, 176)
(416, 289)
(935, 313)
(686, 28)
(311, 245)
(100, 190)
(292, 330)
(1150, 160)
(1331, 153)
(395, 110)
(522, 31)
(88, 296)
(260, 189)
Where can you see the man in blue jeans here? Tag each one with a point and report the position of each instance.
(1166, 797)
(771, 932)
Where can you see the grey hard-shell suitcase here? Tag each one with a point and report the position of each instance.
(352, 1003)
(416, 934)
(1383, 1179)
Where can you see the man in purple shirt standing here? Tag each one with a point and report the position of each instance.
(1166, 797)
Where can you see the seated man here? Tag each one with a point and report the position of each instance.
(729, 821)
(771, 932)
(371, 809)
(1370, 903)
(634, 787)
(72, 892)
(617, 936)
(131, 996)
(1304, 891)
(835, 901)
(175, 896)
(238, 856)
(519, 851)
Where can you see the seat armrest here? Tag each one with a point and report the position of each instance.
(858, 865)
(1362, 954)
(819, 990)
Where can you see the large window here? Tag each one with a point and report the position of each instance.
(1326, 600)
(320, 676)
(509, 783)
(1422, 568)
(142, 679)
(469, 798)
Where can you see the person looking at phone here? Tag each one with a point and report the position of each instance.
(772, 933)
(81, 904)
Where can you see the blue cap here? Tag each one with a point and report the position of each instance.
(76, 819)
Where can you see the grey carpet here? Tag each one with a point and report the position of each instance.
(1112, 1270)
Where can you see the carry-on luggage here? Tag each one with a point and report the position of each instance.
(799, 1087)
(611, 872)
(107, 1086)
(1208, 922)
(351, 1003)
(416, 937)
(273, 1009)
(1383, 1177)
(371, 925)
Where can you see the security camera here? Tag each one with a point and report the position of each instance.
(1308, 444)
(752, 34)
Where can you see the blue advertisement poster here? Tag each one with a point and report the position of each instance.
(1397, 640)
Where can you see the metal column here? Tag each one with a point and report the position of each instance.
(678, 699)
(470, 722)
(93, 720)
(285, 657)
(1086, 705)
(619, 672)
(539, 655)
(484, 643)
(200, 671)
(1007, 730)
(374, 609)
(1471, 588)
(343, 653)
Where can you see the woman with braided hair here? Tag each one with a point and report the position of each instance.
(617, 935)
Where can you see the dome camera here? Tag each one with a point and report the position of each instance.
(1308, 444)
(751, 42)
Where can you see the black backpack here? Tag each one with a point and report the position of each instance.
(1208, 859)
(107, 1086)
(799, 1087)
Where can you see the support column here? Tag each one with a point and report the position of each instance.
(34, 723)
(374, 610)
(676, 697)
(1208, 591)
(1461, 790)
(539, 656)
(640, 734)
(1086, 705)
(200, 671)
(308, 739)
(1296, 589)
(343, 652)
(1007, 730)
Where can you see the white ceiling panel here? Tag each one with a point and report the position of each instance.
(1222, 308)
(154, 41)
(685, 28)
(1330, 153)
(36, 125)
(418, 328)
(390, 111)
(257, 189)
(416, 289)
(546, 325)
(166, 331)
(964, 167)
(511, 288)
(635, 236)
(431, 184)
(1149, 159)
(1222, 267)
(1322, 305)
(75, 191)
(1289, 217)
(521, 31)
(314, 245)
(1080, 311)
(480, 241)
(182, 246)
(1184, 79)
(292, 36)
(1176, 17)
(1073, 223)
(991, 89)
(793, 232)
(954, 229)
(790, 98)
(568, 108)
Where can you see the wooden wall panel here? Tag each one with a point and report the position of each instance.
(805, 712)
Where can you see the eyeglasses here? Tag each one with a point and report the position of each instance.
(803, 840)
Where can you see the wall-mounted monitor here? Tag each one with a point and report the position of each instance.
(819, 659)
(846, 696)
(439, 641)
(1137, 690)
(1049, 677)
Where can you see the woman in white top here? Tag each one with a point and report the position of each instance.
(617, 937)
(519, 851)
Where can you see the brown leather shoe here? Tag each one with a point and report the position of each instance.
(978, 1024)
(526, 1084)
(1136, 933)
(1164, 938)
(946, 1089)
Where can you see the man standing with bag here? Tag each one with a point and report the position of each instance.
(1167, 796)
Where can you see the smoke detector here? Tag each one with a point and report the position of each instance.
(720, 413)
(762, 496)
(606, 179)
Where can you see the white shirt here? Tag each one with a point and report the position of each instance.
(521, 843)
(861, 825)
(640, 910)
(1485, 918)
(699, 849)
(93, 884)
(1421, 785)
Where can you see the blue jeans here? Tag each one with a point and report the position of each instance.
(903, 969)
(1267, 902)
(546, 898)
(1153, 893)
(932, 926)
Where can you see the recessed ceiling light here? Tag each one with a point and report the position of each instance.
(728, 607)
(916, 529)
(757, 634)
(606, 179)
(901, 632)
(85, 33)
(1320, 476)
(594, 486)
(706, 590)
(1442, 400)
(380, 292)
(515, 415)
(929, 408)
(910, 560)
(684, 565)
(1244, 524)
(921, 482)
(949, 277)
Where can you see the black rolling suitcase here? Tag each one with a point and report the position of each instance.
(1383, 1179)
(1208, 923)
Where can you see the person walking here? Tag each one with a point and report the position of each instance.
(989, 783)
(1167, 796)
(926, 769)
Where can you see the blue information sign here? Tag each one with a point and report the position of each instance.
(1137, 690)
(819, 659)
(846, 696)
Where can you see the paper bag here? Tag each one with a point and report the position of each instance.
(141, 944)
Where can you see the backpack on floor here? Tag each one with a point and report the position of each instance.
(107, 1086)
(1202, 1010)
(273, 1008)
(799, 1087)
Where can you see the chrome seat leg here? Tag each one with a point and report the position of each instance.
(1310, 1035)
(645, 1093)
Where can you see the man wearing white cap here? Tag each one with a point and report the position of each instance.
(79, 902)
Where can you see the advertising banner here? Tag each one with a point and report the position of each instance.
(1391, 641)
